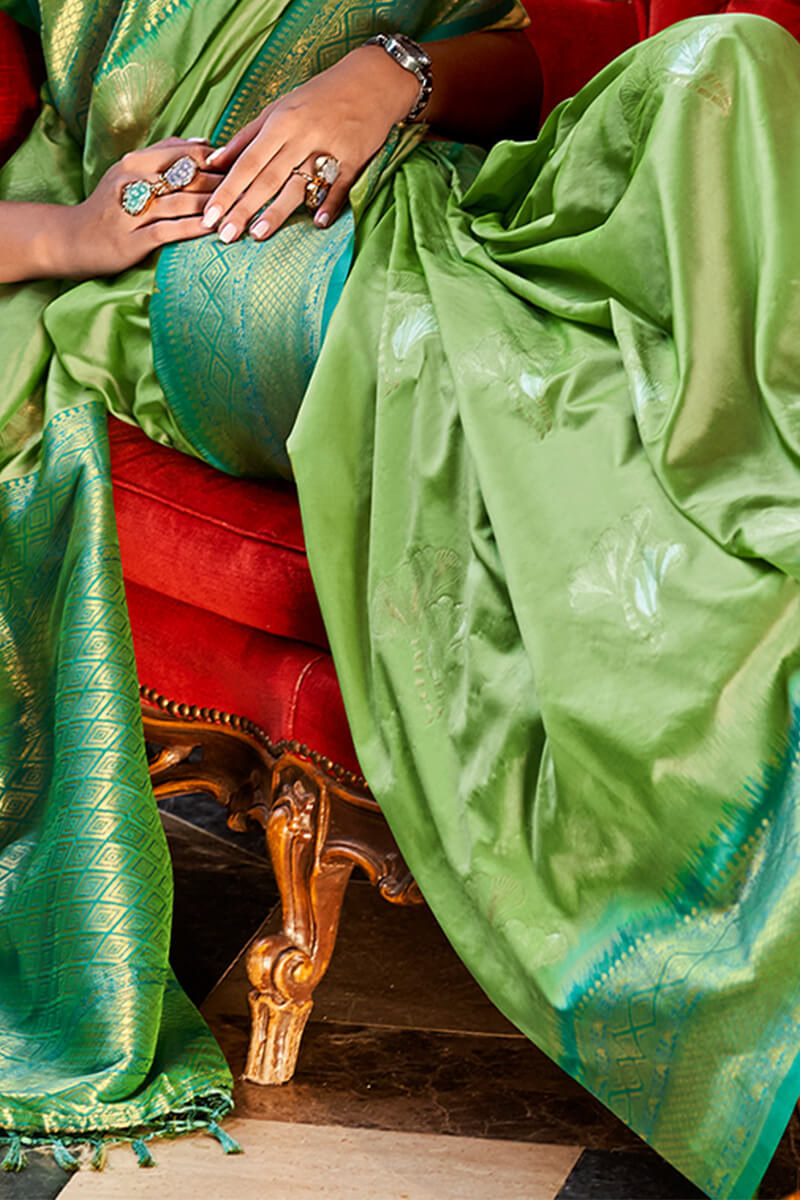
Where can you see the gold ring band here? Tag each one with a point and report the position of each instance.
(318, 184)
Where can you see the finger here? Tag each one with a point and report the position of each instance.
(264, 190)
(162, 144)
(336, 199)
(174, 204)
(287, 201)
(224, 156)
(205, 182)
(153, 160)
(162, 233)
(258, 174)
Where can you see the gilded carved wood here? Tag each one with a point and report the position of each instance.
(320, 821)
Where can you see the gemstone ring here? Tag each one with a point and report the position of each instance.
(318, 184)
(136, 197)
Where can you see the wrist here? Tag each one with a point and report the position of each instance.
(414, 59)
(393, 84)
(55, 242)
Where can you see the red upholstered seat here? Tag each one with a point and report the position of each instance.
(222, 607)
(574, 39)
(287, 687)
(232, 546)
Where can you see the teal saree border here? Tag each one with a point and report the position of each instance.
(468, 25)
(773, 1129)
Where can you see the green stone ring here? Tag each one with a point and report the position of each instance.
(138, 196)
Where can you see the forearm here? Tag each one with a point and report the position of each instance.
(486, 86)
(33, 241)
(100, 236)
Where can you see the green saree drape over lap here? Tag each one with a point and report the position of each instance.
(548, 466)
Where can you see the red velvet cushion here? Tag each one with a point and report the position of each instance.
(574, 39)
(231, 546)
(666, 12)
(20, 70)
(286, 687)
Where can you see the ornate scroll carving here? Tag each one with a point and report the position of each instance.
(285, 969)
(320, 822)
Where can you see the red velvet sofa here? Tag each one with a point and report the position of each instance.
(239, 692)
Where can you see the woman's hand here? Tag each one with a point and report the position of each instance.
(106, 239)
(346, 111)
(485, 86)
(97, 236)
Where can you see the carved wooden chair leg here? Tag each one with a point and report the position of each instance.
(286, 967)
(320, 822)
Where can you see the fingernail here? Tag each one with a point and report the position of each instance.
(323, 219)
(228, 232)
(197, 139)
(260, 229)
(215, 154)
(211, 217)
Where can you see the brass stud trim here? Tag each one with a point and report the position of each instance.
(193, 712)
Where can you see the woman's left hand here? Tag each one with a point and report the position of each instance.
(346, 111)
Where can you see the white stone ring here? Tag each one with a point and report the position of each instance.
(137, 197)
(318, 184)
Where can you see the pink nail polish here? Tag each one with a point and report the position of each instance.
(212, 216)
(228, 232)
(323, 219)
(260, 229)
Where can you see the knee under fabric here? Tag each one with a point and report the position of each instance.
(236, 331)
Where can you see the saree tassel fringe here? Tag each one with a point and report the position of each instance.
(229, 1144)
(64, 1158)
(100, 1156)
(143, 1154)
(72, 1155)
(15, 1159)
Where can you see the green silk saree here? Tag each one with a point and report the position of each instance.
(548, 464)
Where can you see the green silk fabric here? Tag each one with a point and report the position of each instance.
(97, 1040)
(547, 461)
(554, 523)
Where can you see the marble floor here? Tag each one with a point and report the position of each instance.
(410, 1086)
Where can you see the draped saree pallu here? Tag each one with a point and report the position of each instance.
(97, 1041)
(556, 541)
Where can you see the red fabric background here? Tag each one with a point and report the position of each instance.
(574, 39)
(19, 92)
(666, 12)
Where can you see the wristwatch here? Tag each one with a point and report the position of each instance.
(412, 57)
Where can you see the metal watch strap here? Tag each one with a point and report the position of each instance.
(410, 55)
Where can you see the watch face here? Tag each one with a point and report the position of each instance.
(413, 51)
